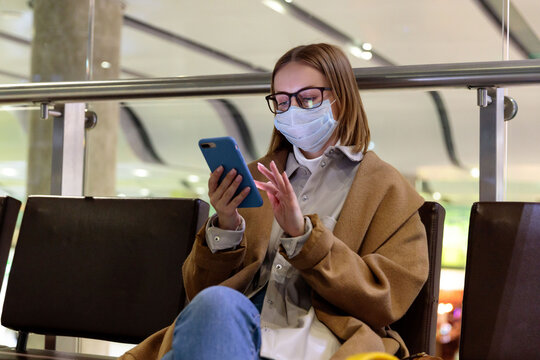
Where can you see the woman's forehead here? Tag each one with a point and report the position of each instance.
(295, 76)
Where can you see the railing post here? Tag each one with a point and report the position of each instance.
(67, 176)
(492, 144)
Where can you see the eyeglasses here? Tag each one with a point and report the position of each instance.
(307, 98)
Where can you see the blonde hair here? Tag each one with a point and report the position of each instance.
(352, 126)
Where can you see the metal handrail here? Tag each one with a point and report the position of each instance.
(479, 74)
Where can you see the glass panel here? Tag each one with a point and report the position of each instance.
(13, 161)
(523, 146)
(172, 129)
(13, 152)
(15, 37)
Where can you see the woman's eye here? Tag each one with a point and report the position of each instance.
(283, 103)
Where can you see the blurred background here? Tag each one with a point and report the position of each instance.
(431, 137)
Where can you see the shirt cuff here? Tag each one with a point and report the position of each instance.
(293, 245)
(220, 239)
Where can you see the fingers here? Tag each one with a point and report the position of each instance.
(287, 183)
(266, 186)
(263, 170)
(273, 175)
(222, 196)
(218, 190)
(214, 178)
(237, 200)
(277, 176)
(231, 189)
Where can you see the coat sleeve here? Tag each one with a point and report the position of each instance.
(376, 287)
(202, 268)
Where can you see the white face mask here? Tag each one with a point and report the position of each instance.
(308, 129)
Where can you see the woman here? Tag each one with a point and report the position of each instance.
(336, 253)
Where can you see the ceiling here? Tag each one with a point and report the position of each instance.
(405, 124)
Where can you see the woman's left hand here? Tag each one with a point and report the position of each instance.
(283, 199)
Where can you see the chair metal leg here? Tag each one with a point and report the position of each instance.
(22, 341)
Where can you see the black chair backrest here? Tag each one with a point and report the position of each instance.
(419, 325)
(9, 211)
(501, 301)
(102, 268)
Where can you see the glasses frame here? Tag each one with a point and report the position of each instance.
(270, 98)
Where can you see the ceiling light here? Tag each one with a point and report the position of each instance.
(475, 173)
(144, 192)
(366, 55)
(371, 145)
(437, 196)
(289, 1)
(193, 178)
(140, 172)
(105, 64)
(121, 195)
(200, 190)
(356, 51)
(367, 46)
(359, 53)
(274, 5)
(10, 172)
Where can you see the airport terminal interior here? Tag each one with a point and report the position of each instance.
(431, 135)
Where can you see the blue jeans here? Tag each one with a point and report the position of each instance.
(219, 323)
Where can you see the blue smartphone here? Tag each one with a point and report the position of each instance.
(224, 151)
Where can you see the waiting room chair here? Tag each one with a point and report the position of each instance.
(101, 268)
(9, 211)
(501, 312)
(419, 325)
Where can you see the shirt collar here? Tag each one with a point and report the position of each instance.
(292, 163)
(347, 151)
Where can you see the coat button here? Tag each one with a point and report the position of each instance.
(304, 197)
(279, 267)
(216, 238)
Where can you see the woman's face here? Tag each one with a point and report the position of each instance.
(295, 76)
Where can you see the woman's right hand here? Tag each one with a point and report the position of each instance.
(223, 200)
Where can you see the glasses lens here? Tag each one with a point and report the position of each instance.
(281, 103)
(310, 98)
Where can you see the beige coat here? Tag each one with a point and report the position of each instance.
(364, 275)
